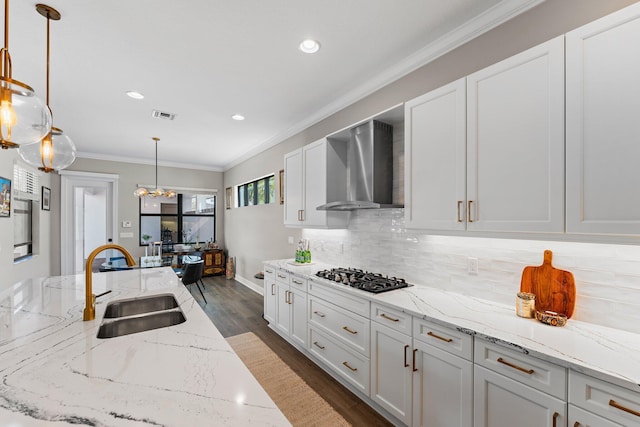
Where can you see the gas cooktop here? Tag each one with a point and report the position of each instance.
(370, 282)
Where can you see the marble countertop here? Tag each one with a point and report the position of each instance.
(609, 354)
(56, 372)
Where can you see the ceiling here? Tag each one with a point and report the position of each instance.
(205, 60)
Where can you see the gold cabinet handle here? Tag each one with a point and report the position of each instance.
(459, 209)
(511, 365)
(555, 416)
(273, 289)
(348, 366)
(346, 328)
(319, 314)
(296, 282)
(469, 211)
(406, 365)
(268, 271)
(389, 318)
(299, 215)
(321, 347)
(431, 334)
(281, 276)
(622, 408)
(415, 350)
(290, 297)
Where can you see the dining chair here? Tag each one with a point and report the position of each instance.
(192, 273)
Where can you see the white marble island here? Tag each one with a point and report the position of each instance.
(54, 371)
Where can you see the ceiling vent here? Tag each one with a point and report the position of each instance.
(162, 115)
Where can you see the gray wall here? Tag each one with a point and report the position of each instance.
(254, 234)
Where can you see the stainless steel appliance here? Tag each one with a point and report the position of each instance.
(364, 280)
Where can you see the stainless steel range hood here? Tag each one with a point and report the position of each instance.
(369, 169)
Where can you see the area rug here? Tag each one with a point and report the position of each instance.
(298, 402)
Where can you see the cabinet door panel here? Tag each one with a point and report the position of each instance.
(270, 296)
(435, 159)
(390, 378)
(442, 389)
(283, 317)
(581, 418)
(500, 401)
(293, 184)
(515, 142)
(603, 100)
(299, 316)
(315, 182)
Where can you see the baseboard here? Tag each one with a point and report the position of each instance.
(249, 284)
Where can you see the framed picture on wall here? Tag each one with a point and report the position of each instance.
(228, 194)
(281, 186)
(5, 197)
(46, 198)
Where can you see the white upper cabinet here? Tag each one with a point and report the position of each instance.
(515, 142)
(435, 159)
(315, 175)
(603, 125)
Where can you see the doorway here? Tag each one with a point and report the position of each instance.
(88, 216)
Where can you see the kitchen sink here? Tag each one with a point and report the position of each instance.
(135, 324)
(134, 306)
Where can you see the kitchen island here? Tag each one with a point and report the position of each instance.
(56, 372)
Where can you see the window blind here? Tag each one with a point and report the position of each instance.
(26, 183)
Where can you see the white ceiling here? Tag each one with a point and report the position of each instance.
(205, 60)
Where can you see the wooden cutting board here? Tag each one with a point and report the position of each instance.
(555, 289)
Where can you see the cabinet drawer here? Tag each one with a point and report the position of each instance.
(544, 376)
(605, 399)
(447, 339)
(348, 364)
(392, 318)
(348, 302)
(349, 328)
(269, 272)
(580, 418)
(282, 276)
(298, 283)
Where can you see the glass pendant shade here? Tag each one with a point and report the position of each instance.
(24, 118)
(54, 152)
(157, 191)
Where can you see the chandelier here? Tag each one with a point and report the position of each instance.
(157, 192)
(24, 119)
(56, 151)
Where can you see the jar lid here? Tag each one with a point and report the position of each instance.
(526, 295)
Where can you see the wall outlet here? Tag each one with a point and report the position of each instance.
(126, 224)
(472, 265)
(290, 240)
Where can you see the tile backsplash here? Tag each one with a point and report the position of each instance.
(607, 276)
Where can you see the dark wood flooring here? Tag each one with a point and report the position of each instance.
(235, 309)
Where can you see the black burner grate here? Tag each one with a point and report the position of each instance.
(370, 282)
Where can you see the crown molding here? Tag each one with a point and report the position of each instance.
(491, 18)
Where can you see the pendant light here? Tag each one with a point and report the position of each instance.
(56, 150)
(157, 192)
(24, 119)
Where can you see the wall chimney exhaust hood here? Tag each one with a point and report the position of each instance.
(369, 169)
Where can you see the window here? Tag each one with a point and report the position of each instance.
(259, 192)
(26, 192)
(188, 218)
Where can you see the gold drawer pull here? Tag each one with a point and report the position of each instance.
(347, 365)
(459, 205)
(296, 282)
(268, 271)
(415, 350)
(281, 276)
(431, 334)
(555, 415)
(346, 328)
(511, 365)
(321, 347)
(389, 318)
(622, 408)
(273, 289)
(319, 314)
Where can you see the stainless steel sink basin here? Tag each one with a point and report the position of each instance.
(134, 324)
(134, 306)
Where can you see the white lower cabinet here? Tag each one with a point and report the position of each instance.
(391, 371)
(513, 388)
(270, 297)
(290, 307)
(581, 418)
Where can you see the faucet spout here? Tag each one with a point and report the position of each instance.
(90, 303)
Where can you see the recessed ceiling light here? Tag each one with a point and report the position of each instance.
(237, 117)
(135, 95)
(309, 46)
